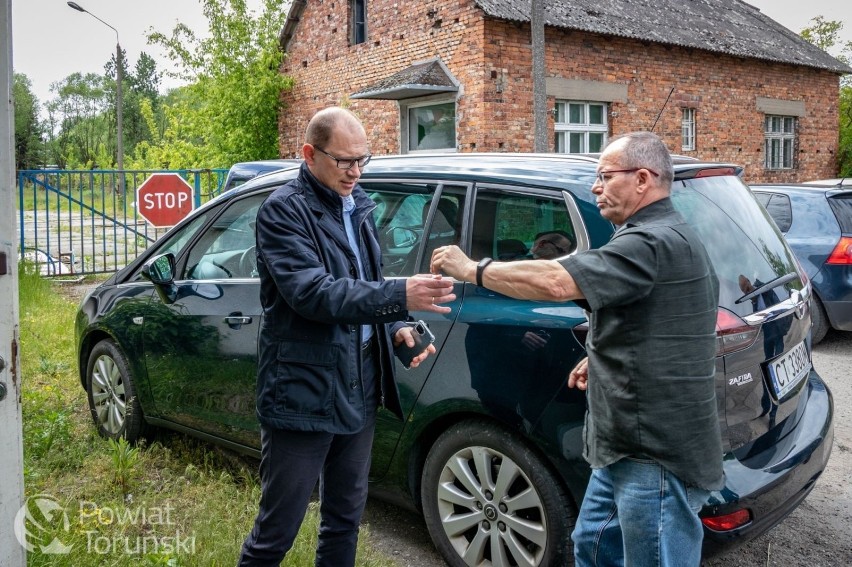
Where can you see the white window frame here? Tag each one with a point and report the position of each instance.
(434, 100)
(779, 142)
(564, 129)
(687, 129)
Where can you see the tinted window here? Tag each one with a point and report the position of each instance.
(737, 235)
(510, 226)
(412, 223)
(227, 248)
(779, 208)
(842, 207)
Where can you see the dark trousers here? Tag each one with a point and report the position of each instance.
(291, 462)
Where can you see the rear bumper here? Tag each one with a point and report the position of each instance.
(839, 314)
(774, 490)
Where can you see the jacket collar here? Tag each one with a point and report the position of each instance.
(328, 199)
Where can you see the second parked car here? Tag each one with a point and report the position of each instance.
(491, 446)
(817, 223)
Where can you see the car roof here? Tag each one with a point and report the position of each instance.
(838, 181)
(253, 168)
(804, 189)
(545, 170)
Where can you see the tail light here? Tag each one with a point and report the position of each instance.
(727, 522)
(732, 333)
(842, 253)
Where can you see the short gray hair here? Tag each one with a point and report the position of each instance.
(647, 150)
(322, 125)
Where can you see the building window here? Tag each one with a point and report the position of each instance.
(581, 127)
(779, 141)
(431, 127)
(358, 11)
(687, 130)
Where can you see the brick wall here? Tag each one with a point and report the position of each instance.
(491, 59)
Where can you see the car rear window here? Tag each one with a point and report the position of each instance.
(738, 234)
(842, 207)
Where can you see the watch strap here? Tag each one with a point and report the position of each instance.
(480, 267)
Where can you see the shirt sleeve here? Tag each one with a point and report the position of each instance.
(618, 273)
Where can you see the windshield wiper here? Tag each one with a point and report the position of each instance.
(768, 286)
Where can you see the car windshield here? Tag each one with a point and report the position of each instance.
(737, 232)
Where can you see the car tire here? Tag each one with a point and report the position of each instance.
(476, 517)
(819, 320)
(111, 390)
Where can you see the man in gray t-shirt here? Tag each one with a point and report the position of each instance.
(652, 431)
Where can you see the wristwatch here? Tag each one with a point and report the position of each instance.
(480, 267)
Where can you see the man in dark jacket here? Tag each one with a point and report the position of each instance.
(331, 323)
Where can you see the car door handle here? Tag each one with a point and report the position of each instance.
(236, 320)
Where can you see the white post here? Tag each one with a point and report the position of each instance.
(12, 554)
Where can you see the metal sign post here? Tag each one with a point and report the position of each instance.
(12, 554)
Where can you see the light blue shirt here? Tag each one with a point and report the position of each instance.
(348, 209)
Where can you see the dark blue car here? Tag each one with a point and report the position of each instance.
(817, 223)
(491, 446)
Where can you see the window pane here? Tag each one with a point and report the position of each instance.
(560, 112)
(577, 145)
(577, 114)
(432, 127)
(560, 142)
(788, 153)
(596, 114)
(788, 124)
(596, 141)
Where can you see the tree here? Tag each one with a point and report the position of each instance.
(824, 33)
(230, 109)
(81, 110)
(28, 129)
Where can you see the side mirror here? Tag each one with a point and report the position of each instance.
(160, 270)
(402, 237)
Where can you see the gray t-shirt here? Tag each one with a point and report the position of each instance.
(653, 297)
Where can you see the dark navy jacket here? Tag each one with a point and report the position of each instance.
(309, 371)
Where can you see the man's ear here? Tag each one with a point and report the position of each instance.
(308, 154)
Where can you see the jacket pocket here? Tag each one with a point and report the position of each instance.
(306, 375)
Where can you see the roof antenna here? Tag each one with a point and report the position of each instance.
(662, 109)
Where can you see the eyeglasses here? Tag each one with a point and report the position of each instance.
(603, 180)
(347, 163)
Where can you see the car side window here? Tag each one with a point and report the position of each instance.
(510, 226)
(227, 249)
(411, 223)
(779, 208)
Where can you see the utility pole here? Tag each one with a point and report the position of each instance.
(12, 553)
(538, 75)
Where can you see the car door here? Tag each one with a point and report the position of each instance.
(201, 350)
(512, 357)
(421, 215)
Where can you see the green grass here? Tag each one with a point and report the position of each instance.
(171, 501)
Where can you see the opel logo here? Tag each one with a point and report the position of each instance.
(798, 303)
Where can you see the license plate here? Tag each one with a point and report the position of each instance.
(788, 370)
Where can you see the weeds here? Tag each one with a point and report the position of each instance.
(192, 504)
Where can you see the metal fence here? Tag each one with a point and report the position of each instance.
(86, 222)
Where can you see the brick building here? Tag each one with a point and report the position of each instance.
(716, 79)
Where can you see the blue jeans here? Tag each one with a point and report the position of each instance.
(636, 513)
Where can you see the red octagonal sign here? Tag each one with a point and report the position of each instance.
(164, 199)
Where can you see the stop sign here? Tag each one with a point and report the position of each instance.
(164, 199)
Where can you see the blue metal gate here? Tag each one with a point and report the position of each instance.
(86, 222)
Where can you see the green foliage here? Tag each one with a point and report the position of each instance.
(125, 457)
(824, 34)
(230, 111)
(28, 129)
(175, 486)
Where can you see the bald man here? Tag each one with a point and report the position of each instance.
(330, 326)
